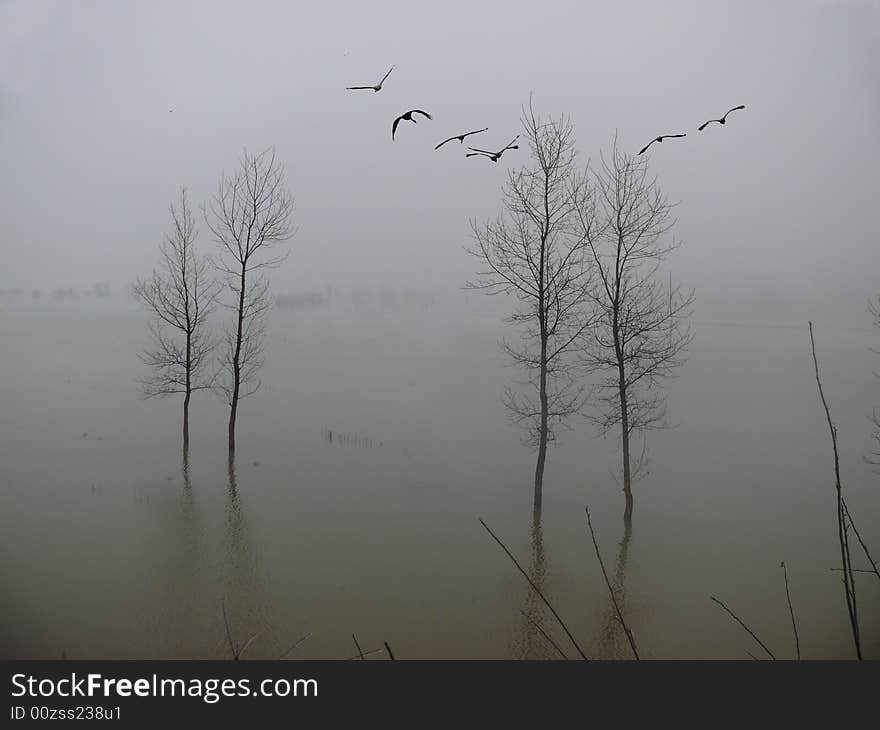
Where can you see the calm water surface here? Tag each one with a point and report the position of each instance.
(363, 465)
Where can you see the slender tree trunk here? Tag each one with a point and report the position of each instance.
(542, 437)
(542, 384)
(624, 427)
(624, 421)
(236, 366)
(188, 392)
(186, 421)
(232, 413)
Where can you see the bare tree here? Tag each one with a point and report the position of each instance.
(179, 296)
(640, 333)
(249, 216)
(533, 250)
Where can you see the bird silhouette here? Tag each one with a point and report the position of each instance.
(409, 118)
(494, 156)
(460, 137)
(660, 139)
(377, 87)
(723, 119)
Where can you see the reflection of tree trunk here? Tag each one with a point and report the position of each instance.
(233, 515)
(613, 643)
(622, 555)
(189, 513)
(189, 516)
(243, 595)
(235, 598)
(179, 577)
(186, 481)
(529, 644)
(234, 537)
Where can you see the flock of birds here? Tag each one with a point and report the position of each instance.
(720, 120)
(408, 117)
(495, 156)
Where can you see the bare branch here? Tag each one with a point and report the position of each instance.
(842, 528)
(367, 653)
(228, 632)
(536, 589)
(626, 630)
(388, 649)
(797, 642)
(543, 633)
(295, 644)
(358, 646)
(861, 542)
(742, 623)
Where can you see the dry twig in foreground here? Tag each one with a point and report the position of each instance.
(537, 590)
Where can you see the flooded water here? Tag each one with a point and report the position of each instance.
(376, 443)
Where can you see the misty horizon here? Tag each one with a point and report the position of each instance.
(776, 205)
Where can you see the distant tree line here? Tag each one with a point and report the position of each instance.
(100, 290)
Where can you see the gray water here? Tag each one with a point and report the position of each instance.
(377, 441)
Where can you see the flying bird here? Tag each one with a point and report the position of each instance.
(377, 87)
(494, 156)
(460, 137)
(409, 118)
(723, 119)
(660, 139)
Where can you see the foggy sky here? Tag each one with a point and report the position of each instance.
(777, 209)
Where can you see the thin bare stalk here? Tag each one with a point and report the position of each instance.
(388, 649)
(543, 633)
(236, 653)
(537, 590)
(629, 635)
(842, 530)
(797, 642)
(862, 543)
(247, 644)
(742, 623)
(358, 646)
(228, 632)
(295, 644)
(366, 654)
